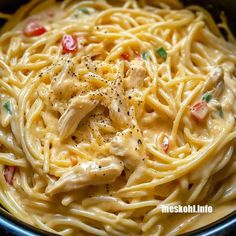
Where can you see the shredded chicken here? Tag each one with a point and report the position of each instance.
(214, 77)
(136, 75)
(63, 84)
(64, 89)
(229, 93)
(97, 172)
(50, 100)
(128, 145)
(118, 109)
(77, 110)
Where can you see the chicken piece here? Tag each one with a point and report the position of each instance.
(214, 77)
(63, 89)
(97, 172)
(128, 145)
(117, 105)
(136, 75)
(77, 110)
(219, 88)
(63, 84)
(136, 99)
(46, 93)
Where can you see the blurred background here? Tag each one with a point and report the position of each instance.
(213, 6)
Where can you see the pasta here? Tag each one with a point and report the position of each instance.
(110, 109)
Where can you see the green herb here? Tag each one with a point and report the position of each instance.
(84, 10)
(220, 111)
(207, 97)
(7, 106)
(162, 53)
(145, 55)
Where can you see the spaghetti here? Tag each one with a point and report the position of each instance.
(110, 109)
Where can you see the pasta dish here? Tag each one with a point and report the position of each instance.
(112, 109)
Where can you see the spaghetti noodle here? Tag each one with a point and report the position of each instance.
(110, 109)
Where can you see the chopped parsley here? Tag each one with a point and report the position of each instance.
(84, 10)
(145, 55)
(7, 106)
(162, 53)
(207, 97)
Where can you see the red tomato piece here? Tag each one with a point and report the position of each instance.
(165, 144)
(33, 29)
(199, 110)
(9, 173)
(125, 56)
(69, 43)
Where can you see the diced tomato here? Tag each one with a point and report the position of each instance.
(9, 173)
(125, 56)
(69, 43)
(33, 29)
(199, 110)
(165, 144)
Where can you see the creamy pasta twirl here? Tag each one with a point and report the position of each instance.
(110, 109)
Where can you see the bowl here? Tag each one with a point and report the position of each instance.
(226, 226)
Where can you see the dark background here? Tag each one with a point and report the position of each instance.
(214, 6)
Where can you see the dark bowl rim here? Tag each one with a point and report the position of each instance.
(15, 227)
